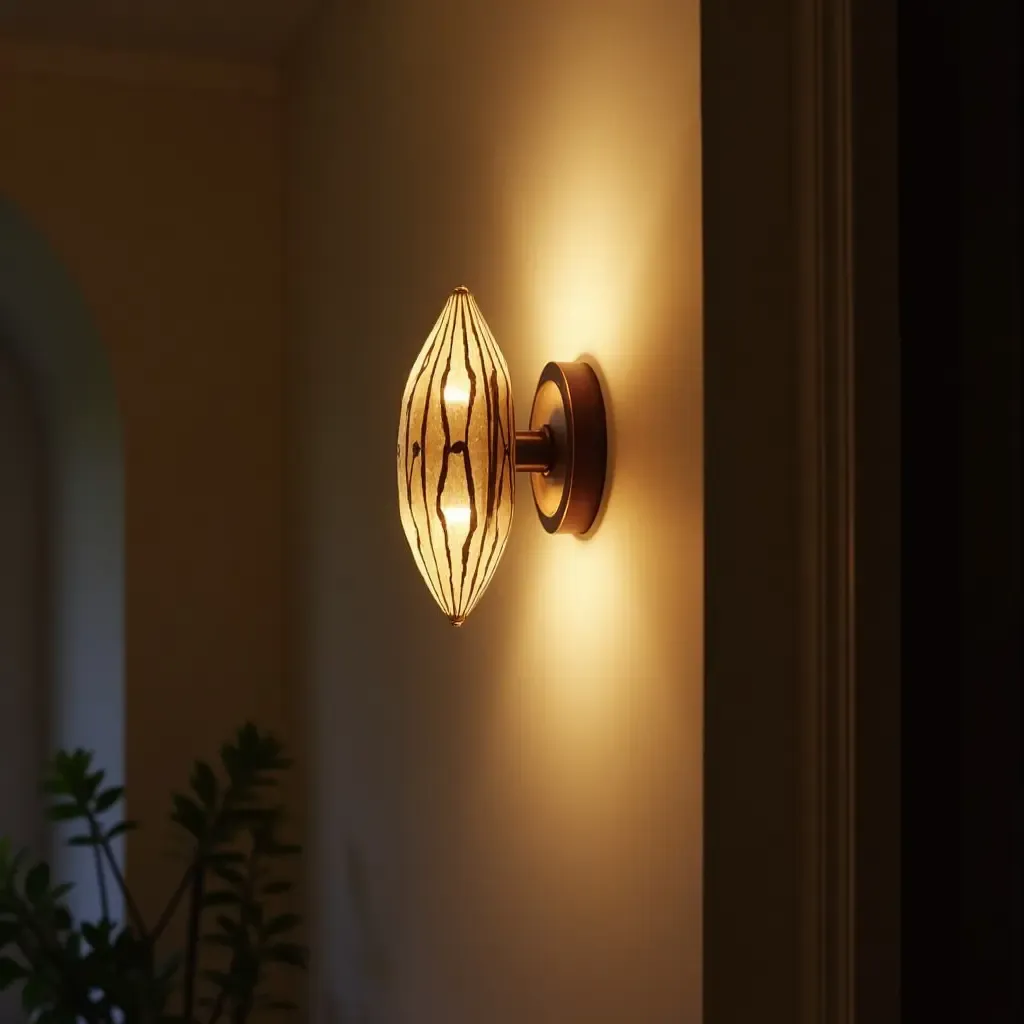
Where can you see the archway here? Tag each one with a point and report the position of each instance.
(23, 649)
(44, 323)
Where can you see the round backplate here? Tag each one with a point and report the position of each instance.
(568, 402)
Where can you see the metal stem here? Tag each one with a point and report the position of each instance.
(535, 450)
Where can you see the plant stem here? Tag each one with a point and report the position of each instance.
(242, 1010)
(188, 877)
(133, 910)
(172, 904)
(101, 876)
(218, 1007)
(195, 911)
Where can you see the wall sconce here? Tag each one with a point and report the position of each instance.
(459, 451)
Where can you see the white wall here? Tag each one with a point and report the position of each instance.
(505, 820)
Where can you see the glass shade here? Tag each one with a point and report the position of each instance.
(456, 472)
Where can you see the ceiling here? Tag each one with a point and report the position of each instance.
(244, 29)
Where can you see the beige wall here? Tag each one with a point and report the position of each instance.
(505, 820)
(158, 184)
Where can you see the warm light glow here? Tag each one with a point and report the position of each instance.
(592, 176)
(457, 515)
(456, 478)
(602, 210)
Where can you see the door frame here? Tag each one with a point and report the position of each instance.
(802, 491)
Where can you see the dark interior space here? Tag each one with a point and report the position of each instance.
(959, 114)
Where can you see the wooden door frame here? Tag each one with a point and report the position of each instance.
(802, 836)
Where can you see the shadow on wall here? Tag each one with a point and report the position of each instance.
(43, 320)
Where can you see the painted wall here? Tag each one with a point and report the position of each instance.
(505, 820)
(22, 612)
(77, 681)
(22, 701)
(158, 185)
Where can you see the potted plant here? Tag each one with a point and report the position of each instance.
(113, 972)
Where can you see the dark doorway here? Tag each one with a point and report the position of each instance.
(959, 114)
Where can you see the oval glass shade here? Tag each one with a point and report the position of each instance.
(456, 472)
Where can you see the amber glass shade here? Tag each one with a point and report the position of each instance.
(456, 472)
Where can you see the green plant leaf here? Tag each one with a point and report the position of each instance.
(83, 840)
(221, 898)
(249, 816)
(55, 785)
(276, 888)
(64, 812)
(120, 828)
(34, 993)
(62, 918)
(252, 914)
(290, 953)
(37, 882)
(280, 924)
(229, 925)
(93, 781)
(228, 874)
(189, 815)
(229, 759)
(204, 783)
(10, 972)
(17, 860)
(108, 798)
(94, 935)
(58, 892)
(283, 849)
(226, 857)
(221, 978)
(170, 967)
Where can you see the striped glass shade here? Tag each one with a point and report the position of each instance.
(456, 442)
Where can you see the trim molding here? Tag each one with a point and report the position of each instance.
(826, 280)
(846, 147)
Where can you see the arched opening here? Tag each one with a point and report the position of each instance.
(23, 704)
(65, 641)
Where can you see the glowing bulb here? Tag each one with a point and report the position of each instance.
(456, 394)
(457, 515)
